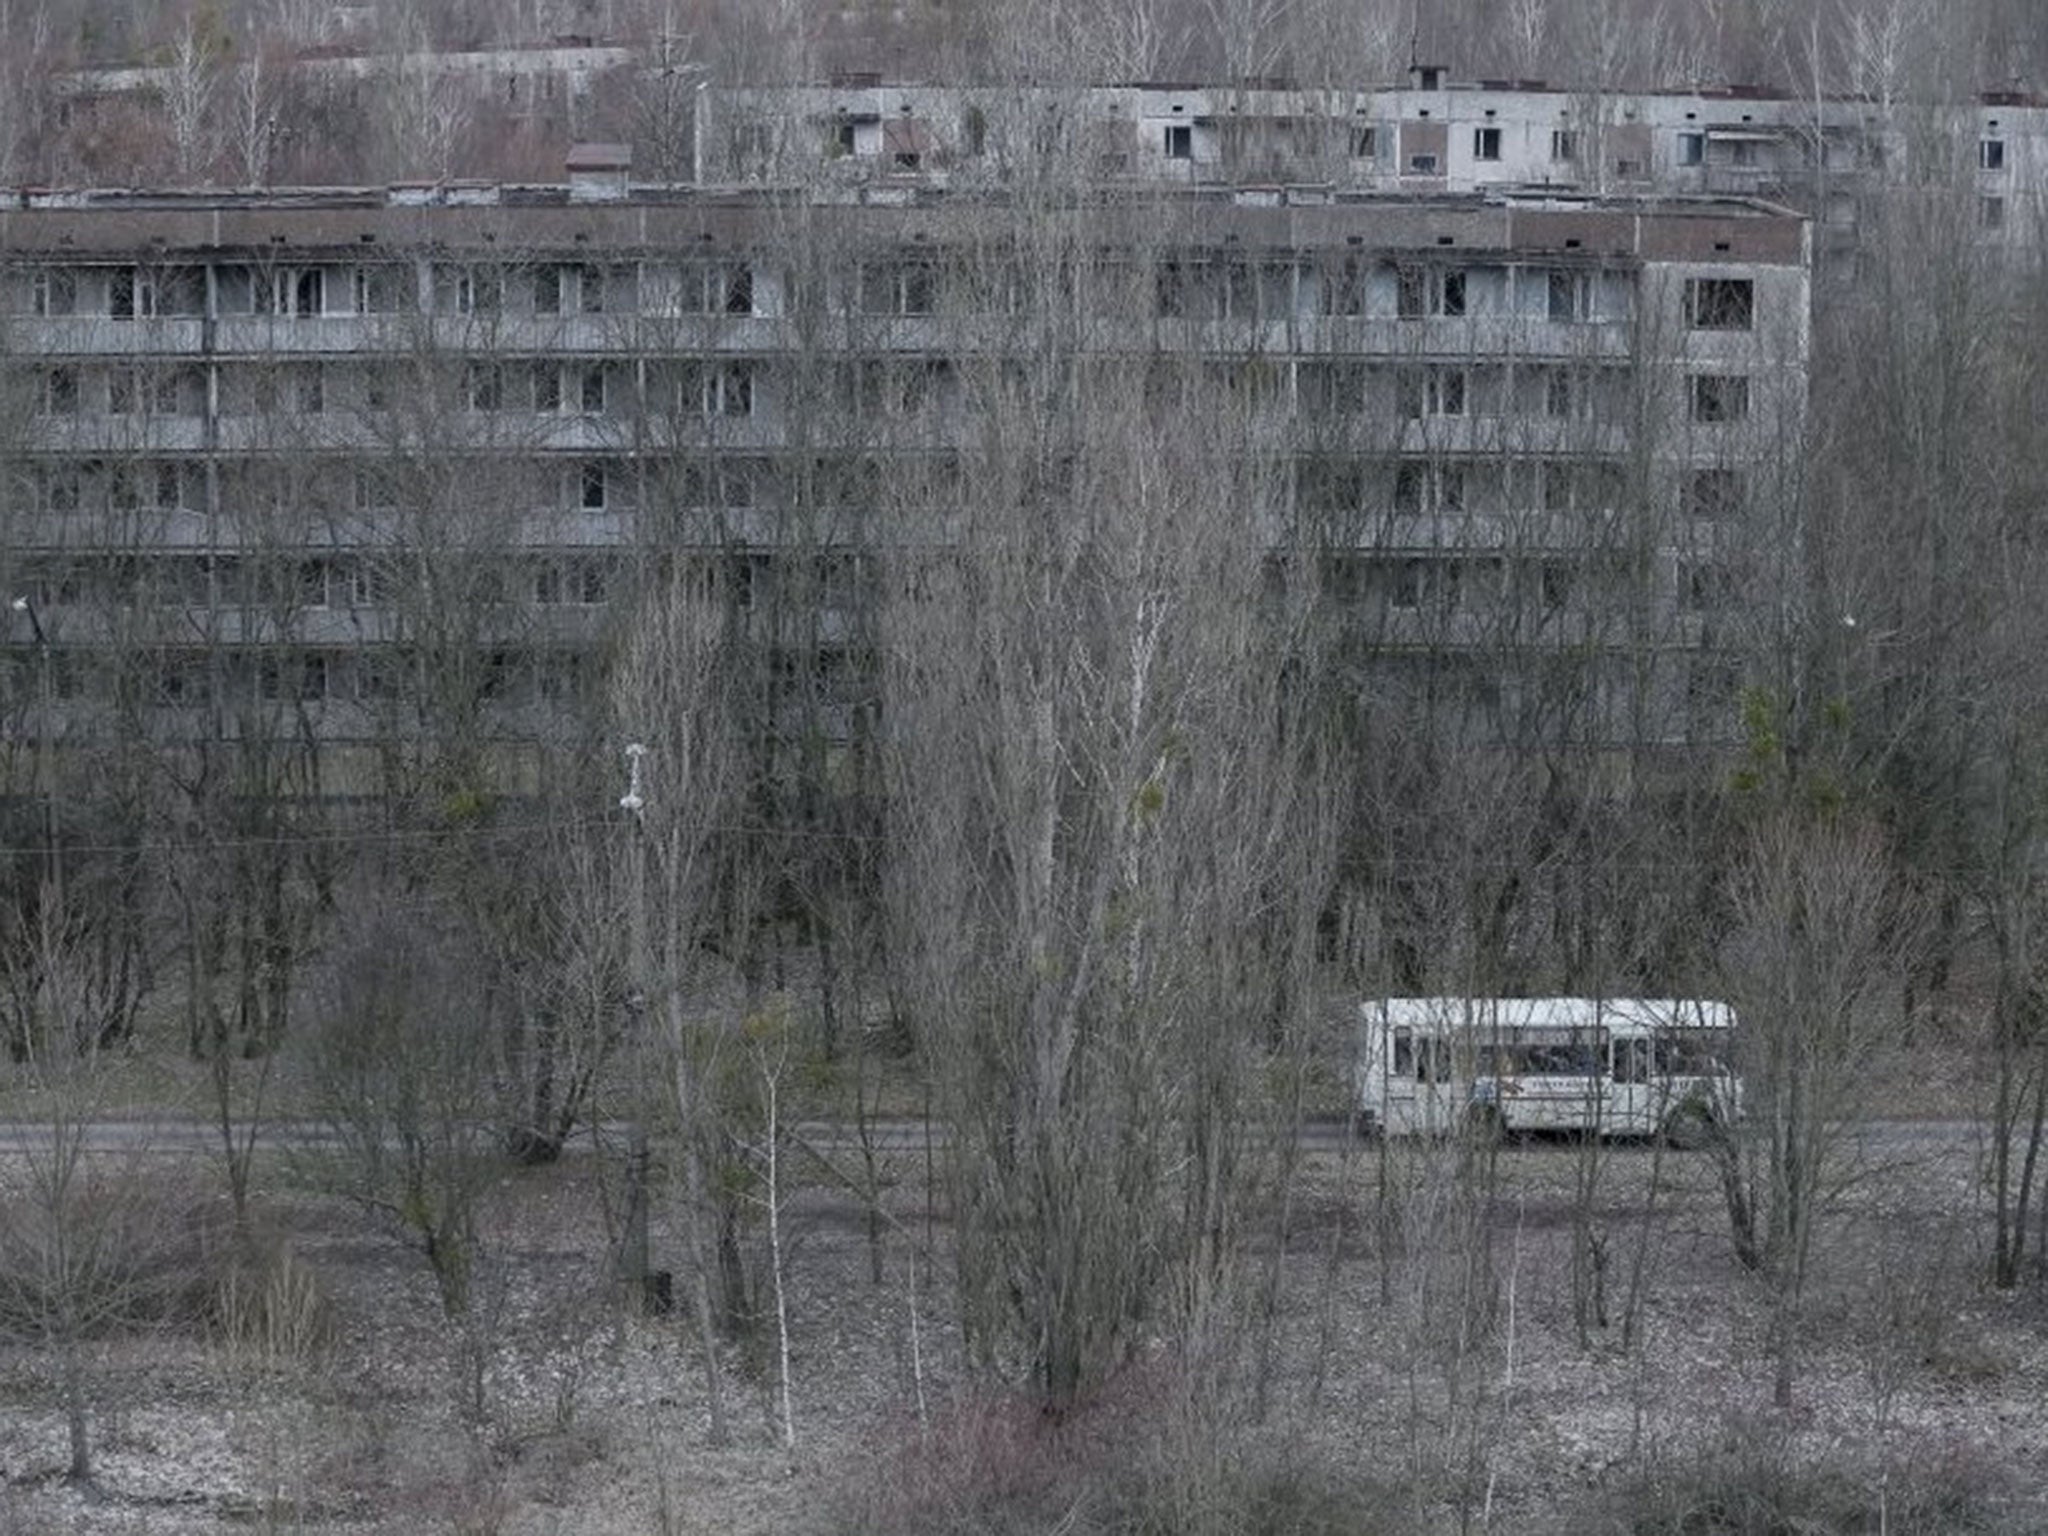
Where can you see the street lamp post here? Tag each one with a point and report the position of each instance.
(46, 722)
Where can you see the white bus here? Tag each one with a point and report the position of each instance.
(1615, 1066)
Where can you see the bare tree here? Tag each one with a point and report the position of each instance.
(1814, 969)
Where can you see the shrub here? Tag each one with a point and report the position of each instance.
(1758, 1484)
(1127, 1464)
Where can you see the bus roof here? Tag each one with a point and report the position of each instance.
(1486, 1014)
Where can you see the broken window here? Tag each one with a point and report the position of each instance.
(547, 290)
(1431, 392)
(381, 289)
(1365, 142)
(1713, 493)
(899, 288)
(1180, 141)
(1430, 292)
(591, 391)
(1559, 481)
(1720, 303)
(547, 387)
(54, 292)
(1991, 154)
(1692, 149)
(1485, 143)
(300, 293)
(1563, 393)
(592, 488)
(1569, 296)
(1564, 144)
(131, 295)
(1344, 288)
(1420, 487)
(1422, 165)
(1719, 397)
(469, 290)
(729, 390)
(486, 387)
(59, 393)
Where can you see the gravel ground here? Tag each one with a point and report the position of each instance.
(597, 1425)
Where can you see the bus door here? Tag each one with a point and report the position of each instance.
(1632, 1091)
(1418, 1087)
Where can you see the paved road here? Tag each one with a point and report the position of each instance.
(1896, 1138)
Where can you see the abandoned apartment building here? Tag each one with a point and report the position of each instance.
(252, 438)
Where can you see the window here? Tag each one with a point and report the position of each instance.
(54, 291)
(486, 391)
(1344, 287)
(469, 290)
(1563, 393)
(1628, 170)
(1559, 481)
(373, 491)
(1742, 152)
(1422, 165)
(1555, 583)
(369, 585)
(547, 388)
(1713, 493)
(1719, 303)
(59, 393)
(899, 288)
(316, 584)
(1180, 141)
(583, 581)
(293, 677)
(1485, 143)
(1420, 488)
(1991, 154)
(380, 290)
(1564, 144)
(594, 289)
(731, 289)
(547, 290)
(729, 390)
(147, 486)
(301, 293)
(1365, 142)
(1570, 296)
(1431, 392)
(590, 393)
(309, 388)
(130, 294)
(1704, 588)
(1426, 292)
(1719, 397)
(124, 392)
(592, 488)
(1692, 149)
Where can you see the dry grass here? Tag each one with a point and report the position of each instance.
(325, 1392)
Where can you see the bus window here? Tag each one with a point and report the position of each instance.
(1632, 1061)
(1404, 1053)
(1679, 1057)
